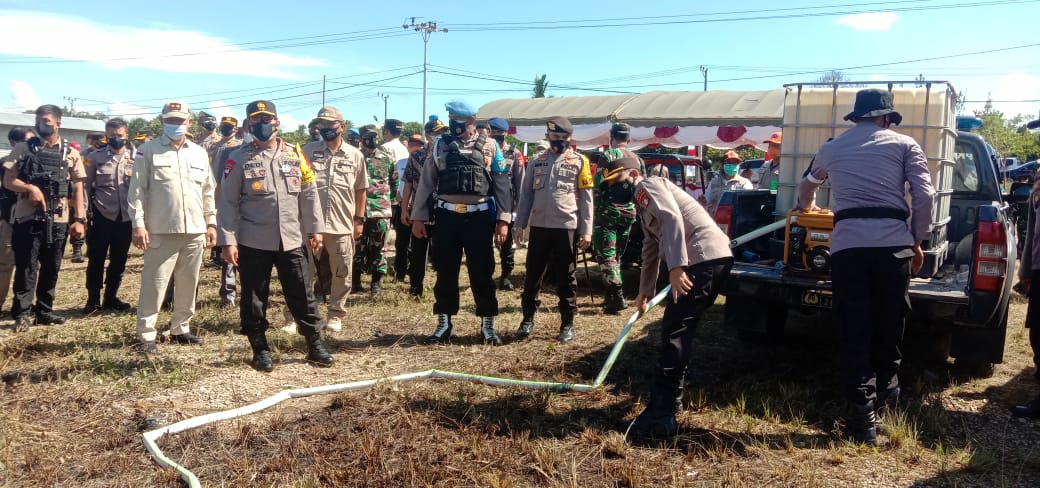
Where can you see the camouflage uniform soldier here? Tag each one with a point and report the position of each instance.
(613, 221)
(382, 184)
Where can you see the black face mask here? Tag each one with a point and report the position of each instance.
(558, 146)
(209, 125)
(457, 127)
(621, 192)
(44, 131)
(226, 130)
(116, 143)
(369, 143)
(500, 138)
(329, 133)
(262, 131)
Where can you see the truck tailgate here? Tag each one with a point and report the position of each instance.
(748, 278)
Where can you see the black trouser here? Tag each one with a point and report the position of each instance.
(323, 285)
(870, 308)
(402, 238)
(1033, 321)
(473, 233)
(550, 248)
(679, 324)
(111, 239)
(32, 256)
(417, 252)
(254, 269)
(507, 254)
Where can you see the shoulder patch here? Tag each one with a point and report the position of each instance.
(228, 166)
(585, 175)
(642, 198)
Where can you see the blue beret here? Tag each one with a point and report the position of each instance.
(460, 108)
(355, 131)
(498, 123)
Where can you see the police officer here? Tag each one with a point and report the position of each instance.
(403, 229)
(419, 247)
(514, 161)
(472, 210)
(171, 207)
(613, 220)
(353, 137)
(556, 200)
(7, 202)
(95, 142)
(679, 232)
(107, 186)
(369, 253)
(49, 174)
(395, 148)
(269, 191)
(208, 137)
(874, 248)
(1028, 272)
(342, 180)
(769, 173)
(726, 180)
(312, 130)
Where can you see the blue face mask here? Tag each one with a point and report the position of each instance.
(175, 131)
(729, 169)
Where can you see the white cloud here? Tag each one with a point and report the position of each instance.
(869, 21)
(94, 41)
(289, 123)
(1015, 86)
(130, 111)
(25, 98)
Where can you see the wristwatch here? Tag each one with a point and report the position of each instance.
(80, 220)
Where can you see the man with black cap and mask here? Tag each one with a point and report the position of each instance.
(369, 254)
(612, 221)
(514, 160)
(208, 137)
(875, 248)
(473, 209)
(556, 201)
(413, 171)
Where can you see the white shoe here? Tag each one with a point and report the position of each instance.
(334, 324)
(290, 323)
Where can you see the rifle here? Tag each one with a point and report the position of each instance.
(42, 179)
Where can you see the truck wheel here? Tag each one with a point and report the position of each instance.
(755, 323)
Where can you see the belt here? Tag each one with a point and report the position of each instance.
(462, 207)
(871, 213)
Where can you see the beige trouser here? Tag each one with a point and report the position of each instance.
(341, 257)
(179, 255)
(6, 260)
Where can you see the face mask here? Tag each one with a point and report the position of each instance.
(263, 131)
(116, 143)
(44, 131)
(558, 146)
(209, 125)
(175, 131)
(621, 192)
(501, 139)
(329, 133)
(226, 130)
(369, 143)
(457, 127)
(729, 169)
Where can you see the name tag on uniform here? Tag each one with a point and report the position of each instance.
(255, 173)
(316, 155)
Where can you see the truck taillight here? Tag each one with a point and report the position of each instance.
(990, 257)
(723, 217)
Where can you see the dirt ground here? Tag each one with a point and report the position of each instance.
(76, 398)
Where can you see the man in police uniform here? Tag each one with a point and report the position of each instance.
(342, 180)
(678, 231)
(514, 161)
(49, 176)
(370, 256)
(769, 173)
(8, 199)
(613, 220)
(269, 191)
(107, 187)
(472, 210)
(419, 247)
(875, 248)
(171, 207)
(208, 137)
(556, 201)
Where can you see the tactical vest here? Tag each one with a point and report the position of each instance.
(464, 170)
(47, 169)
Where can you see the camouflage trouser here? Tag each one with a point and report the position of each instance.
(608, 244)
(368, 254)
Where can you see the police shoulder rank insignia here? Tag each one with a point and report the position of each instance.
(642, 198)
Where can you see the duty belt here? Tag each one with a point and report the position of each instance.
(871, 213)
(462, 207)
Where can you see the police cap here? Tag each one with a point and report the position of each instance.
(460, 108)
(560, 125)
(261, 107)
(233, 122)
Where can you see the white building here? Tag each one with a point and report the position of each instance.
(72, 129)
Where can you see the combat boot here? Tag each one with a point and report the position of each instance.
(861, 424)
(355, 281)
(443, 332)
(615, 300)
(526, 326)
(566, 330)
(658, 419)
(377, 284)
(93, 303)
(487, 331)
(316, 352)
(261, 353)
(77, 252)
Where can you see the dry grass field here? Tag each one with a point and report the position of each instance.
(76, 398)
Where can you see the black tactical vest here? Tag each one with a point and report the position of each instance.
(47, 169)
(464, 170)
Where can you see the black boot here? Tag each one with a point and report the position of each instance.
(443, 331)
(377, 284)
(566, 330)
(93, 303)
(261, 353)
(861, 424)
(658, 419)
(526, 326)
(487, 331)
(113, 303)
(615, 300)
(505, 284)
(316, 352)
(355, 281)
(77, 252)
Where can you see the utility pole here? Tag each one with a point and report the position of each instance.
(704, 71)
(72, 104)
(385, 97)
(426, 29)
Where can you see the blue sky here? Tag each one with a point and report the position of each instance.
(127, 58)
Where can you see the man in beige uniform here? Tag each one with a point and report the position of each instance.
(174, 219)
(208, 137)
(7, 201)
(342, 178)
